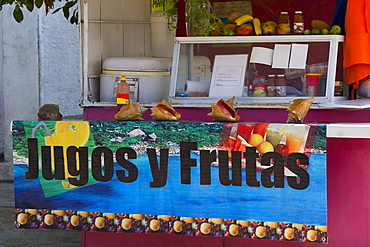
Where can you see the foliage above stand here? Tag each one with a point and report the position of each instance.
(69, 6)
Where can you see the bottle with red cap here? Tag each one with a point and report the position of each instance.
(122, 92)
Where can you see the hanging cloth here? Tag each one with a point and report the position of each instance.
(339, 14)
(357, 43)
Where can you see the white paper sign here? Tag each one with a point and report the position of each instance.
(298, 56)
(228, 75)
(281, 56)
(261, 55)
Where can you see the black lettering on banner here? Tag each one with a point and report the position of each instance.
(50, 172)
(276, 170)
(131, 169)
(81, 168)
(46, 163)
(302, 181)
(159, 173)
(33, 159)
(98, 167)
(206, 159)
(185, 161)
(59, 163)
(251, 156)
(236, 175)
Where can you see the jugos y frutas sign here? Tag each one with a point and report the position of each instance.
(248, 180)
(102, 170)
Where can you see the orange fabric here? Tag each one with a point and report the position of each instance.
(357, 41)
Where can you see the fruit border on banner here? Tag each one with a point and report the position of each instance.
(183, 178)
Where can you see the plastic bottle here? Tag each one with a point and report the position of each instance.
(122, 92)
(249, 77)
(280, 89)
(298, 25)
(271, 86)
(284, 18)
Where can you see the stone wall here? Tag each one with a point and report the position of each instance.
(39, 64)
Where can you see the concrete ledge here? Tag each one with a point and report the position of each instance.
(6, 172)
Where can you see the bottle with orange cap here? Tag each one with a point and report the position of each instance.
(122, 92)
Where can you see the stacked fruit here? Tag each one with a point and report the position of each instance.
(246, 25)
(239, 24)
(321, 27)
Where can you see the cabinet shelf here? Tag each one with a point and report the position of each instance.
(326, 50)
(260, 39)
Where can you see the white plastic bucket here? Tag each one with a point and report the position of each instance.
(162, 38)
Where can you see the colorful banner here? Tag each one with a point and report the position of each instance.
(247, 180)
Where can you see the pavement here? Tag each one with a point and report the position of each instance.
(12, 237)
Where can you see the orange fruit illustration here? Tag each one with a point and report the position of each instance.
(255, 140)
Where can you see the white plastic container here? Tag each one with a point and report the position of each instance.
(162, 38)
(152, 74)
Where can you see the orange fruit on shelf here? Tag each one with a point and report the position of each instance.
(231, 26)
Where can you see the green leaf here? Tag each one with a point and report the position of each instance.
(74, 17)
(30, 5)
(57, 10)
(38, 3)
(69, 4)
(66, 12)
(73, 20)
(18, 14)
(172, 11)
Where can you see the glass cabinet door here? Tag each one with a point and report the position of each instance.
(284, 67)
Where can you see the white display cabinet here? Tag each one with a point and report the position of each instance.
(111, 28)
(324, 56)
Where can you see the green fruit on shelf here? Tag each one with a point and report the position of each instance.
(324, 31)
(316, 31)
(307, 31)
(335, 30)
